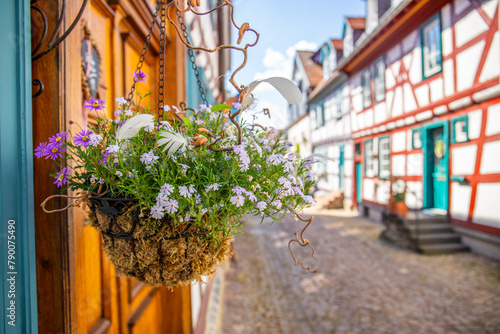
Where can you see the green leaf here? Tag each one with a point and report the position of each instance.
(218, 107)
(187, 122)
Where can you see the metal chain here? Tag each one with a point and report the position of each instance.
(203, 95)
(161, 72)
(143, 52)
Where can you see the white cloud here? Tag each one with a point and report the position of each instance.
(276, 64)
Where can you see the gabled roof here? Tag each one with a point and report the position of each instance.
(314, 71)
(356, 23)
(338, 44)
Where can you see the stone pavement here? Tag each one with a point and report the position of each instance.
(363, 285)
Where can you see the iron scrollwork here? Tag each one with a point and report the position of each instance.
(53, 42)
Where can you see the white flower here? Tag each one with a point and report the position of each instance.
(118, 113)
(213, 186)
(251, 196)
(238, 200)
(285, 182)
(162, 199)
(199, 121)
(128, 112)
(277, 204)
(157, 212)
(93, 179)
(197, 199)
(167, 189)
(203, 211)
(121, 101)
(184, 192)
(191, 189)
(118, 173)
(171, 206)
(150, 127)
(112, 148)
(95, 139)
(288, 166)
(149, 158)
(261, 205)
(166, 108)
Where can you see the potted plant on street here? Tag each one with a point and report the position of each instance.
(397, 198)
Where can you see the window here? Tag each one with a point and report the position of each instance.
(369, 158)
(431, 47)
(365, 84)
(320, 115)
(416, 138)
(338, 103)
(379, 80)
(384, 158)
(459, 130)
(357, 149)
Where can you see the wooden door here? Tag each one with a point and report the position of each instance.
(74, 276)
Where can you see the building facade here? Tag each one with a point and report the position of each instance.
(422, 84)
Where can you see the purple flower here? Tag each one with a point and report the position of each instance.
(58, 138)
(94, 105)
(82, 138)
(41, 150)
(54, 151)
(62, 177)
(172, 206)
(236, 105)
(157, 212)
(108, 158)
(140, 76)
(238, 190)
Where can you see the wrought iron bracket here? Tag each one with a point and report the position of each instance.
(53, 42)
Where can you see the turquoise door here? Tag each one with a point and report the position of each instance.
(17, 251)
(439, 172)
(359, 179)
(341, 167)
(436, 178)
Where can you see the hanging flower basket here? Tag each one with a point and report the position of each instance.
(167, 186)
(166, 253)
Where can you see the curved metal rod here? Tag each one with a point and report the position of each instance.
(242, 29)
(44, 33)
(302, 242)
(53, 44)
(38, 82)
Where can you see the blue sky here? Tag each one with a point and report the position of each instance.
(283, 27)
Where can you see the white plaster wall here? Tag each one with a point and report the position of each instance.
(436, 87)
(195, 303)
(470, 26)
(467, 63)
(463, 160)
(486, 209)
(449, 77)
(300, 131)
(397, 104)
(460, 200)
(369, 118)
(422, 94)
(380, 114)
(368, 189)
(474, 123)
(492, 65)
(398, 141)
(446, 34)
(398, 165)
(490, 160)
(414, 194)
(409, 100)
(415, 164)
(383, 192)
(493, 120)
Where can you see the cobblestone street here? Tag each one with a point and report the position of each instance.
(363, 285)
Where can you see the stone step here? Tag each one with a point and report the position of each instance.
(420, 218)
(431, 228)
(443, 248)
(438, 238)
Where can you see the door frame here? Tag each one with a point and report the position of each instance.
(428, 169)
(16, 170)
